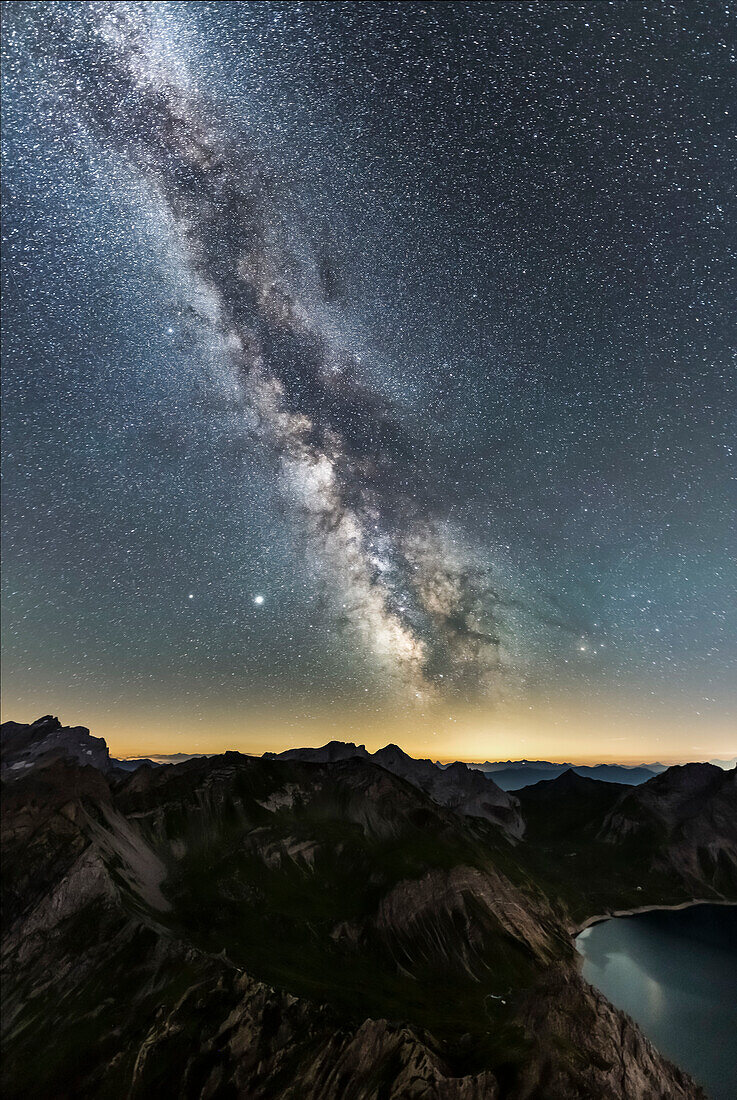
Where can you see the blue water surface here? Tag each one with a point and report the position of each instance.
(675, 973)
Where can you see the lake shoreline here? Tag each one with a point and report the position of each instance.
(674, 977)
(599, 917)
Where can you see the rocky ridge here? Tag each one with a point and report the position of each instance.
(463, 789)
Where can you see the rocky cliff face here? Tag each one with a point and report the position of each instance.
(270, 928)
(567, 1017)
(265, 1043)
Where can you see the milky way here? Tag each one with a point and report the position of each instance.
(417, 597)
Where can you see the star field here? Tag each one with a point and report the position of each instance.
(369, 356)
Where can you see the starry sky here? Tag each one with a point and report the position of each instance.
(369, 373)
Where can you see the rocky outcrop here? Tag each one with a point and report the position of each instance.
(452, 916)
(44, 741)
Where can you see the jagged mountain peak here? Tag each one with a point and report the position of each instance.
(392, 751)
(40, 743)
(569, 782)
(47, 720)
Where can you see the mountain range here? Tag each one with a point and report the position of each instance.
(330, 923)
(508, 775)
(514, 778)
(552, 765)
(463, 789)
(512, 775)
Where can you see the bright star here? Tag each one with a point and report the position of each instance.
(258, 600)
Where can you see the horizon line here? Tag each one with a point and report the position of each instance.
(587, 762)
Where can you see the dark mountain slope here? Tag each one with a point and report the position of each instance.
(601, 846)
(686, 819)
(565, 806)
(323, 848)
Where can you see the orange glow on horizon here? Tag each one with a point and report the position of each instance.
(560, 731)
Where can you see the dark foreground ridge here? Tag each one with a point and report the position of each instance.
(342, 928)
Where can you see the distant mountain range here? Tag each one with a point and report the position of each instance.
(130, 763)
(514, 778)
(512, 775)
(330, 924)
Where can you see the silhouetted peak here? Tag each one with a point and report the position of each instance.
(459, 768)
(393, 751)
(48, 722)
(567, 781)
(680, 777)
(570, 778)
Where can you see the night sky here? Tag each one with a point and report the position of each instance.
(369, 373)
